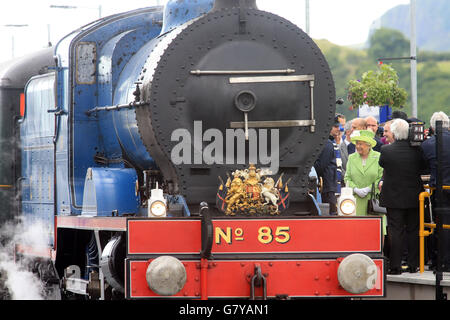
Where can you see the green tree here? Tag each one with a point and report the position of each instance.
(433, 78)
(388, 43)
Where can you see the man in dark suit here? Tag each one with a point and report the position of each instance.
(403, 165)
(344, 144)
(429, 151)
(326, 168)
(372, 124)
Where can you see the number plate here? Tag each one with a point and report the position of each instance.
(296, 236)
(240, 235)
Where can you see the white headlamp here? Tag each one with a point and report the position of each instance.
(346, 203)
(157, 205)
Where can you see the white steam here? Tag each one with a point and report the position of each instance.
(21, 283)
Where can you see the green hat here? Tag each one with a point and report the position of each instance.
(363, 135)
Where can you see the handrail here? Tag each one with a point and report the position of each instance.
(422, 232)
(434, 188)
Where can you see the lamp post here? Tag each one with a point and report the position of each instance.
(53, 6)
(12, 36)
(307, 16)
(413, 58)
(77, 7)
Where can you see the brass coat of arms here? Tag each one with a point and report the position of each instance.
(252, 192)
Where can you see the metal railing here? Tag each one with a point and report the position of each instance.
(422, 225)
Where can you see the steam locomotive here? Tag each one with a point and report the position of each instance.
(113, 139)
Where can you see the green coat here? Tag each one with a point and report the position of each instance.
(359, 176)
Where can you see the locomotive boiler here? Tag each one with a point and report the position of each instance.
(132, 124)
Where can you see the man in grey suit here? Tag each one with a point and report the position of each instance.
(344, 143)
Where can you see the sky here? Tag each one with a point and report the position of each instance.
(343, 22)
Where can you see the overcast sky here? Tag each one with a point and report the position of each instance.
(344, 22)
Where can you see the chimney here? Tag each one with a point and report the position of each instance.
(224, 4)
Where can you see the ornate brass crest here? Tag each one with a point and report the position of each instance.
(252, 192)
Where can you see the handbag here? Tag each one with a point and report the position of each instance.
(373, 207)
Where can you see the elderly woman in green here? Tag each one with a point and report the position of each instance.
(363, 169)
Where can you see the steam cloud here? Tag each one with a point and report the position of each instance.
(20, 283)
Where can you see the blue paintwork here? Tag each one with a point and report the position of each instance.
(109, 189)
(177, 12)
(122, 45)
(124, 120)
(37, 131)
(117, 39)
(115, 46)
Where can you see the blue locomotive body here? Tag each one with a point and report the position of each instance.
(97, 133)
(73, 148)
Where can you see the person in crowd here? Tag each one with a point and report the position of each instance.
(363, 169)
(344, 143)
(357, 124)
(326, 168)
(372, 124)
(336, 137)
(397, 114)
(403, 165)
(341, 119)
(387, 134)
(429, 152)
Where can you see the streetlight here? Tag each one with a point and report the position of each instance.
(412, 58)
(53, 6)
(307, 15)
(76, 7)
(413, 49)
(12, 36)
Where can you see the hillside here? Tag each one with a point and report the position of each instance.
(432, 23)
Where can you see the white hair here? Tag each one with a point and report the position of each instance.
(348, 125)
(439, 116)
(400, 129)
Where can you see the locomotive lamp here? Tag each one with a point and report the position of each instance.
(157, 205)
(347, 203)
